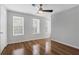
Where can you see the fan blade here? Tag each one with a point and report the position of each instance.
(47, 10)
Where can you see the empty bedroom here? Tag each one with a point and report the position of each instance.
(39, 29)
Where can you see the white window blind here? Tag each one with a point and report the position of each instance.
(18, 25)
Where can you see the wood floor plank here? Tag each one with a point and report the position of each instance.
(56, 48)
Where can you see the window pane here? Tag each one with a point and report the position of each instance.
(36, 26)
(18, 25)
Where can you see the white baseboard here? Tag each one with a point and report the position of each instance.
(67, 44)
(25, 40)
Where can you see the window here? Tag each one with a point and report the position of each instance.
(36, 26)
(48, 27)
(18, 25)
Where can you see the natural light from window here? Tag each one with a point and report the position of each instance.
(18, 25)
(36, 26)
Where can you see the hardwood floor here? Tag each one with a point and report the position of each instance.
(61, 49)
(26, 48)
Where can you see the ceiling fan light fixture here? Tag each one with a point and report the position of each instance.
(40, 12)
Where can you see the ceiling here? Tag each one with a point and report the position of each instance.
(28, 8)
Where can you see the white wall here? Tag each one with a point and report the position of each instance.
(65, 27)
(27, 27)
(3, 27)
(0, 28)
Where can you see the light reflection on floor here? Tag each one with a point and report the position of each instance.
(48, 47)
(18, 51)
(35, 48)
